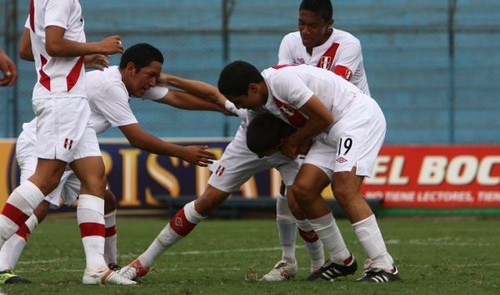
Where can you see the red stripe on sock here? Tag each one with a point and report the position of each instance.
(88, 229)
(309, 236)
(13, 213)
(23, 232)
(180, 224)
(110, 231)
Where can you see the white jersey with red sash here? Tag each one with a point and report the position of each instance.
(341, 53)
(290, 87)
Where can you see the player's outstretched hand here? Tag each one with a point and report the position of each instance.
(198, 155)
(111, 45)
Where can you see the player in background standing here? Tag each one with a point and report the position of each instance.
(63, 133)
(109, 93)
(348, 127)
(8, 70)
(316, 43)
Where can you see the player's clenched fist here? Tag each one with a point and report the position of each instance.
(111, 45)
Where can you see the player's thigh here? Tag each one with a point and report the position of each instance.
(310, 181)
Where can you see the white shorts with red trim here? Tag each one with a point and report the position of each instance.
(238, 164)
(353, 141)
(63, 129)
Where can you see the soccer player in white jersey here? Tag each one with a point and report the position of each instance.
(109, 93)
(316, 43)
(348, 128)
(64, 135)
(235, 167)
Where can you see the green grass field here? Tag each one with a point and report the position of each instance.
(435, 256)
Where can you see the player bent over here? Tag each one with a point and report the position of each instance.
(348, 129)
(235, 167)
(109, 92)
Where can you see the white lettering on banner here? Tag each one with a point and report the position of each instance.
(445, 196)
(433, 170)
(461, 170)
(400, 196)
(485, 168)
(395, 168)
(489, 197)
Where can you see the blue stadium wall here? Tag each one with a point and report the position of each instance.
(436, 80)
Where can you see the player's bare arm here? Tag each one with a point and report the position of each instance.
(137, 137)
(319, 119)
(198, 88)
(57, 45)
(187, 101)
(25, 51)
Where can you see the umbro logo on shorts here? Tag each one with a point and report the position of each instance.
(341, 160)
(68, 143)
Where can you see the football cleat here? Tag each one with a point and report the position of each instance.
(378, 275)
(8, 277)
(105, 277)
(114, 266)
(331, 270)
(134, 270)
(283, 270)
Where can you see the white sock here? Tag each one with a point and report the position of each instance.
(110, 238)
(20, 205)
(287, 229)
(14, 246)
(11, 251)
(313, 248)
(371, 239)
(179, 226)
(330, 236)
(90, 215)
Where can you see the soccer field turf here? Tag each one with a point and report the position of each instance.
(435, 256)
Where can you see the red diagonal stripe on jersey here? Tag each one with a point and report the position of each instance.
(74, 74)
(32, 15)
(44, 78)
(326, 60)
(293, 115)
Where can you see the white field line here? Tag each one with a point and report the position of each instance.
(425, 242)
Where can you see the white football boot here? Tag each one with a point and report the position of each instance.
(283, 270)
(105, 277)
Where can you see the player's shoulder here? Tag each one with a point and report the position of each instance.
(292, 37)
(342, 36)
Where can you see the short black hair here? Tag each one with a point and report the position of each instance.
(141, 55)
(322, 7)
(235, 77)
(265, 132)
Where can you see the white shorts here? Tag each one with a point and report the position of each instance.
(66, 193)
(238, 164)
(63, 129)
(353, 141)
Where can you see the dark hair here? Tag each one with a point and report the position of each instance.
(265, 132)
(322, 7)
(236, 76)
(141, 55)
